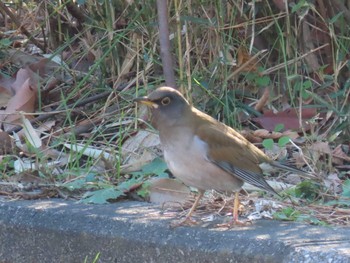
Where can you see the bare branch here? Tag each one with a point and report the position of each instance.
(164, 41)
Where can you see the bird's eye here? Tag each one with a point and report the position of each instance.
(165, 101)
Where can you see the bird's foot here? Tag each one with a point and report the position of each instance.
(235, 223)
(187, 221)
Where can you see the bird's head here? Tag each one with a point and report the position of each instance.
(167, 106)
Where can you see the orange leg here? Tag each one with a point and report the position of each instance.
(235, 208)
(188, 220)
(234, 222)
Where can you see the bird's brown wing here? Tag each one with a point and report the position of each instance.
(234, 154)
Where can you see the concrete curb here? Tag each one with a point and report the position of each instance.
(63, 231)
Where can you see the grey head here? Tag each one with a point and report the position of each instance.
(167, 106)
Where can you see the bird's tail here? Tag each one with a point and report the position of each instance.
(291, 168)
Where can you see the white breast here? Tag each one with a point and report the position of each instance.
(191, 165)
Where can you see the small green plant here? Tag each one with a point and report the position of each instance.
(287, 214)
(258, 79)
(5, 43)
(157, 168)
(101, 191)
(308, 190)
(291, 214)
(282, 141)
(268, 144)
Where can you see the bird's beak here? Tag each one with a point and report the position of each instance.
(146, 101)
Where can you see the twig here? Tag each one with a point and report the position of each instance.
(302, 156)
(283, 64)
(245, 64)
(164, 41)
(81, 103)
(49, 115)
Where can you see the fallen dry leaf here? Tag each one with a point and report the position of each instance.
(259, 135)
(299, 159)
(141, 140)
(139, 150)
(318, 150)
(20, 58)
(251, 137)
(6, 83)
(291, 134)
(24, 100)
(164, 190)
(44, 67)
(289, 118)
(5, 96)
(243, 57)
(265, 134)
(25, 88)
(29, 177)
(6, 143)
(320, 147)
(339, 156)
(333, 183)
(79, 61)
(22, 76)
(136, 161)
(280, 4)
(46, 126)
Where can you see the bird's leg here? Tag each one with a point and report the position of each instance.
(234, 222)
(195, 204)
(188, 220)
(235, 208)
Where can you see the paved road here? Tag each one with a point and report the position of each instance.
(63, 231)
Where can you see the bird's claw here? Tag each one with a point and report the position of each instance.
(235, 223)
(187, 221)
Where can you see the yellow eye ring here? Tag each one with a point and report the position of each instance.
(165, 101)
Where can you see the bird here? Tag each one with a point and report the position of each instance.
(203, 152)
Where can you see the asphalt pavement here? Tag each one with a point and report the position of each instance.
(55, 230)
